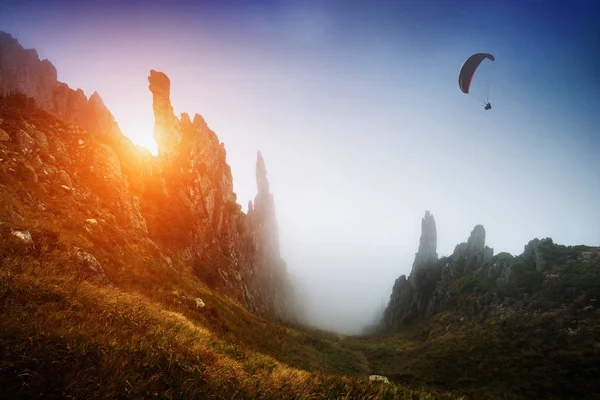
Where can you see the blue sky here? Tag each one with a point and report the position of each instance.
(356, 108)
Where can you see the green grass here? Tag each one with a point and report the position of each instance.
(136, 332)
(512, 355)
(63, 336)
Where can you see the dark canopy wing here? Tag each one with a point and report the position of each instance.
(468, 70)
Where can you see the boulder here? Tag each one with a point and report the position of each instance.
(88, 264)
(540, 251)
(199, 302)
(4, 136)
(24, 237)
(378, 378)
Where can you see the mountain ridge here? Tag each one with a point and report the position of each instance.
(128, 275)
(182, 200)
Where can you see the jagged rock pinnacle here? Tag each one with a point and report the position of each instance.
(21, 70)
(164, 120)
(476, 240)
(428, 241)
(261, 175)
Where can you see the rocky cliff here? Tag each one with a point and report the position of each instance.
(426, 291)
(22, 71)
(474, 281)
(179, 208)
(193, 165)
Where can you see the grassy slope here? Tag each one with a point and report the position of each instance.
(514, 354)
(61, 336)
(540, 342)
(65, 335)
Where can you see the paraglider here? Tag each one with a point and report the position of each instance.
(467, 71)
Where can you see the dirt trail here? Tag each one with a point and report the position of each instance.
(363, 361)
(365, 367)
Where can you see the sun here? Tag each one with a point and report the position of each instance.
(140, 131)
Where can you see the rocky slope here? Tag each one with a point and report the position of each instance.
(21, 70)
(67, 152)
(474, 281)
(494, 326)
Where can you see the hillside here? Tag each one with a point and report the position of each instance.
(125, 275)
(494, 326)
(181, 203)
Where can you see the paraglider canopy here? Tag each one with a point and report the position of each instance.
(465, 76)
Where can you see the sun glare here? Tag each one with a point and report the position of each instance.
(140, 132)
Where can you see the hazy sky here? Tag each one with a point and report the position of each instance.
(356, 108)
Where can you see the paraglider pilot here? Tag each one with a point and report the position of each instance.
(467, 71)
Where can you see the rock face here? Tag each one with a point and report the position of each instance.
(242, 250)
(265, 232)
(178, 208)
(410, 297)
(427, 243)
(262, 213)
(165, 122)
(427, 289)
(400, 301)
(540, 250)
(89, 265)
(22, 71)
(473, 253)
(472, 281)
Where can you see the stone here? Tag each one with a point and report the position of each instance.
(58, 150)
(40, 138)
(4, 136)
(28, 173)
(24, 236)
(199, 303)
(88, 263)
(378, 378)
(64, 179)
(91, 221)
(25, 143)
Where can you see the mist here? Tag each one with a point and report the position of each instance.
(357, 112)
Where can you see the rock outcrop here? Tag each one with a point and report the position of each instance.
(242, 250)
(22, 71)
(265, 232)
(427, 289)
(67, 157)
(410, 297)
(427, 243)
(473, 253)
(539, 250)
(472, 281)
